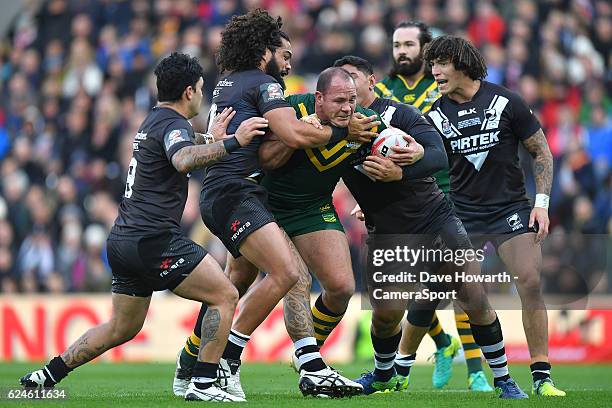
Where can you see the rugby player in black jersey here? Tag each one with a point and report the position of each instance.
(482, 125)
(408, 201)
(146, 250)
(232, 204)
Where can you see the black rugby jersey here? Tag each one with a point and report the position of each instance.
(481, 138)
(155, 192)
(413, 204)
(251, 93)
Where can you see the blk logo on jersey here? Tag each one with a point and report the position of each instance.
(514, 221)
(240, 230)
(471, 111)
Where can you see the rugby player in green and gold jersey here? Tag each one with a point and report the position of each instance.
(410, 82)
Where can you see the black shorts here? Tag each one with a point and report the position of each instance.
(234, 210)
(142, 265)
(498, 228)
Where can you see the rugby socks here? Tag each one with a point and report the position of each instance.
(540, 370)
(55, 371)
(470, 348)
(403, 363)
(437, 333)
(189, 353)
(235, 344)
(309, 357)
(324, 320)
(204, 374)
(491, 341)
(384, 355)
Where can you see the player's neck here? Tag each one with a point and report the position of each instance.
(179, 108)
(465, 91)
(414, 78)
(368, 100)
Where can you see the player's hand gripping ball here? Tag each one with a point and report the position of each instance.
(389, 137)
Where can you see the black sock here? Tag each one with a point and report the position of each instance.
(491, 341)
(384, 354)
(204, 374)
(235, 344)
(540, 370)
(197, 329)
(309, 357)
(404, 363)
(56, 370)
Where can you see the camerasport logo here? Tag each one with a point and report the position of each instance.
(167, 266)
(238, 228)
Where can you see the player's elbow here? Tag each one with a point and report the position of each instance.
(180, 164)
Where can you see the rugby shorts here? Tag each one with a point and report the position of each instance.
(144, 264)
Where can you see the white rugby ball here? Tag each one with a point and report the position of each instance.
(386, 139)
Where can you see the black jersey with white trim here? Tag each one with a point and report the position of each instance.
(155, 192)
(413, 205)
(481, 138)
(251, 93)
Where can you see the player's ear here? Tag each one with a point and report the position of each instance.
(372, 81)
(318, 97)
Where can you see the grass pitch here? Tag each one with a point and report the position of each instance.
(267, 385)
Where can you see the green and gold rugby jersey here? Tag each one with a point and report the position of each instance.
(310, 175)
(422, 96)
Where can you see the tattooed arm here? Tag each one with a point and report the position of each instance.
(194, 157)
(191, 158)
(537, 146)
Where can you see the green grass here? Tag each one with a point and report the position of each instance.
(149, 385)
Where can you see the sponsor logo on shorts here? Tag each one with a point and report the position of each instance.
(167, 268)
(240, 230)
(329, 217)
(514, 221)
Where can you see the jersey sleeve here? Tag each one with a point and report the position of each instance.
(523, 122)
(176, 136)
(268, 96)
(303, 104)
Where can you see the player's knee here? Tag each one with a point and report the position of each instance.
(529, 282)
(341, 291)
(120, 334)
(385, 324)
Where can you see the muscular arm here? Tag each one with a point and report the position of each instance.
(537, 146)
(273, 153)
(434, 158)
(294, 133)
(194, 157)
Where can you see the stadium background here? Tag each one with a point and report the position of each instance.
(76, 81)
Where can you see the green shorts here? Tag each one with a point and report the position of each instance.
(320, 216)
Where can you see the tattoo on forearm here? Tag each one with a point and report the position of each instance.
(298, 317)
(537, 147)
(195, 157)
(210, 326)
(81, 351)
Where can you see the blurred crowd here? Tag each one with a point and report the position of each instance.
(76, 81)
